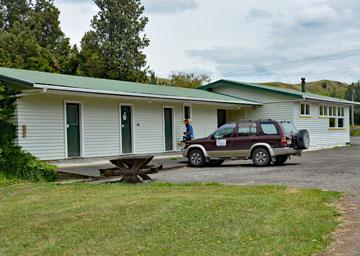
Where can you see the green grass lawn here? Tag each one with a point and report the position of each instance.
(163, 219)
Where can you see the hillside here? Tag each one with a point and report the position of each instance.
(323, 87)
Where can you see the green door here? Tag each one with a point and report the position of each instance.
(73, 129)
(126, 129)
(168, 122)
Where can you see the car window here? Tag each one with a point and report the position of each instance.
(247, 129)
(288, 128)
(269, 129)
(225, 131)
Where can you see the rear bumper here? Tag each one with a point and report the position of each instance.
(285, 151)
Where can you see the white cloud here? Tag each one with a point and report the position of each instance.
(219, 37)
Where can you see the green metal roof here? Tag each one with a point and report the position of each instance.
(27, 79)
(280, 91)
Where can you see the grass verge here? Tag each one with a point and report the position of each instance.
(164, 219)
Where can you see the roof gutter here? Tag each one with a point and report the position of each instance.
(72, 89)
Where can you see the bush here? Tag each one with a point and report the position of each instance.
(17, 163)
(355, 132)
(14, 162)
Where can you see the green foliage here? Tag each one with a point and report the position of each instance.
(187, 80)
(31, 37)
(114, 50)
(14, 162)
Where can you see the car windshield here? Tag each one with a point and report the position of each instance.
(224, 131)
(288, 128)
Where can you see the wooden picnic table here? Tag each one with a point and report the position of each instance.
(133, 169)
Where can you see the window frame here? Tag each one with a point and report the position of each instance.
(190, 111)
(307, 109)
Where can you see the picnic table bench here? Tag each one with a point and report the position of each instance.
(133, 169)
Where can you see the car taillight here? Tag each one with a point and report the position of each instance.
(284, 141)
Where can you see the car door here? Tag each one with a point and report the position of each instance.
(270, 134)
(245, 137)
(221, 142)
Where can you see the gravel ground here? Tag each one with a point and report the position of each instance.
(335, 169)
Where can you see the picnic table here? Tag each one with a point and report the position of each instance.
(133, 169)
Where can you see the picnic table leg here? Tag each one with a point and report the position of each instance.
(145, 177)
(131, 179)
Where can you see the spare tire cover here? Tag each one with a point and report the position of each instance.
(303, 139)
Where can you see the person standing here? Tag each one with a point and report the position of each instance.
(189, 133)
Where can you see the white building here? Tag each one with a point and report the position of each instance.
(61, 116)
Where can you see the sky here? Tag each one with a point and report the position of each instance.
(243, 40)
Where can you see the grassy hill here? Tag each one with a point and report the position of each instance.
(323, 87)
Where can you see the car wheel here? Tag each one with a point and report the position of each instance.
(280, 160)
(196, 158)
(216, 163)
(261, 157)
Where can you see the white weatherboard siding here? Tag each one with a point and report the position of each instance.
(275, 106)
(43, 114)
(320, 134)
(251, 94)
(277, 111)
(204, 120)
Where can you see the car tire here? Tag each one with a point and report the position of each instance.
(261, 157)
(280, 160)
(215, 163)
(196, 158)
(303, 139)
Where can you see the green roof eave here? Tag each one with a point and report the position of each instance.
(280, 91)
(223, 82)
(16, 83)
(33, 79)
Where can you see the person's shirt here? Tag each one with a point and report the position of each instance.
(189, 132)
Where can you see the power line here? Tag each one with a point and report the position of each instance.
(296, 63)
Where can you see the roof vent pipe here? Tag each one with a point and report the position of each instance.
(303, 84)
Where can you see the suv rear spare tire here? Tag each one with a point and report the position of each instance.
(196, 158)
(303, 139)
(261, 157)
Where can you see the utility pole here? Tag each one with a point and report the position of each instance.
(353, 107)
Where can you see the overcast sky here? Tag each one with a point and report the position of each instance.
(242, 39)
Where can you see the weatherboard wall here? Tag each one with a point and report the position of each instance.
(321, 136)
(43, 116)
(281, 107)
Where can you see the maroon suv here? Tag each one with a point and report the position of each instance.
(263, 141)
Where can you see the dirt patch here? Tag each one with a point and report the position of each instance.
(347, 239)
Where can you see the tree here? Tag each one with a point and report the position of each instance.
(19, 49)
(117, 41)
(356, 89)
(12, 12)
(45, 24)
(188, 80)
(31, 37)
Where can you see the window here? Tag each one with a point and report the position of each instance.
(288, 128)
(269, 129)
(305, 109)
(337, 115)
(341, 115)
(187, 112)
(247, 129)
(323, 110)
(225, 131)
(332, 122)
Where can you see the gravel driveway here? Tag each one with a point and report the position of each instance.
(335, 169)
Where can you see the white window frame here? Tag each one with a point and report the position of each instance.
(305, 114)
(337, 112)
(190, 108)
